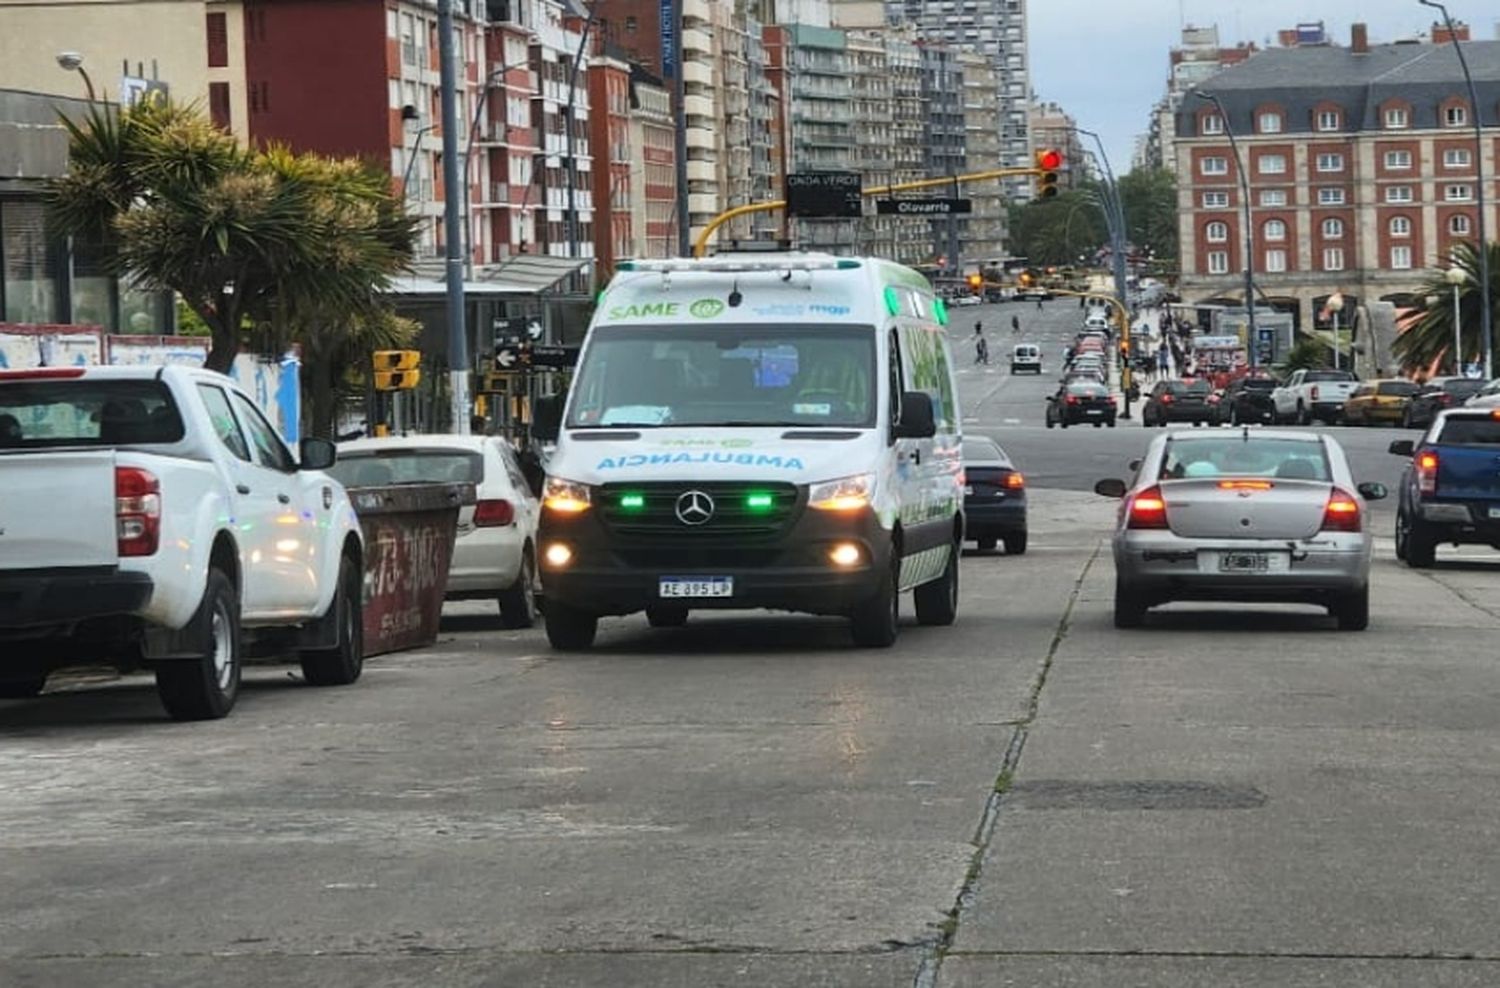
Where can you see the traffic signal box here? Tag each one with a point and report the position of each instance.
(397, 370)
(1048, 161)
(976, 283)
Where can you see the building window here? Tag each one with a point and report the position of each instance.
(1274, 230)
(630, 23)
(1272, 164)
(1456, 158)
(1333, 258)
(1216, 200)
(28, 263)
(218, 41)
(1458, 193)
(1401, 258)
(1455, 116)
(1459, 225)
(1397, 118)
(1216, 232)
(1328, 120)
(1218, 262)
(1211, 124)
(1269, 122)
(1273, 197)
(1400, 226)
(1333, 229)
(1330, 197)
(1398, 193)
(1330, 162)
(1275, 261)
(218, 105)
(1398, 160)
(1214, 166)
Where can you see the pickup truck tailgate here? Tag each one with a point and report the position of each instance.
(1469, 473)
(57, 509)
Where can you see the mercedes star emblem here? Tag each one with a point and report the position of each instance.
(694, 508)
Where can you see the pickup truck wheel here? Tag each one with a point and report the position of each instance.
(342, 664)
(1303, 416)
(568, 628)
(518, 601)
(205, 688)
(1352, 610)
(1130, 607)
(937, 602)
(1421, 544)
(876, 622)
(1402, 535)
(22, 689)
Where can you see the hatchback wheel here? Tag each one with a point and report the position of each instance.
(1352, 610)
(1130, 606)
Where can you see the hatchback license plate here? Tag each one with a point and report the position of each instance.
(700, 586)
(1494, 513)
(1244, 562)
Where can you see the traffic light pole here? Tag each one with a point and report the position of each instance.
(458, 336)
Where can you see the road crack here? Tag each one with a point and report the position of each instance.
(984, 833)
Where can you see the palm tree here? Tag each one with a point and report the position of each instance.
(1430, 337)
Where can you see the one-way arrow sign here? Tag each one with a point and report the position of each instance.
(507, 358)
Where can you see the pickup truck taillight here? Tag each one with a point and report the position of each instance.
(1427, 471)
(137, 511)
(1314, 392)
(1342, 513)
(496, 513)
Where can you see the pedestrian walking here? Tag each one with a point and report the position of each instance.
(1015, 325)
(981, 345)
(1039, 305)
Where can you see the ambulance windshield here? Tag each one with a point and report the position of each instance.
(674, 376)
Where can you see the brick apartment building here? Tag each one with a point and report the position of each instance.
(1361, 168)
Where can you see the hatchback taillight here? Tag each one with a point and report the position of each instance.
(1342, 513)
(1427, 472)
(1148, 510)
(496, 513)
(137, 511)
(1015, 481)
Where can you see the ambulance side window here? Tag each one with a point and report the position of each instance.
(897, 378)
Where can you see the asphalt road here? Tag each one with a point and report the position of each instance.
(1227, 797)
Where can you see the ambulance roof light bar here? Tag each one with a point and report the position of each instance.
(736, 264)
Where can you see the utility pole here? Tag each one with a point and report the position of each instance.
(672, 62)
(453, 238)
(583, 41)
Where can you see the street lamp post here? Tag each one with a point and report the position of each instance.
(480, 104)
(1477, 111)
(72, 61)
(583, 40)
(1239, 167)
(1115, 214)
(453, 235)
(1335, 306)
(1457, 276)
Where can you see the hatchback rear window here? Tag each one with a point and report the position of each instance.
(1188, 387)
(1470, 430)
(408, 466)
(979, 449)
(83, 411)
(1398, 387)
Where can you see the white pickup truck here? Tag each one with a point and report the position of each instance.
(1314, 395)
(151, 517)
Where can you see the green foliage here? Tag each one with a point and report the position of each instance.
(1308, 354)
(1430, 338)
(1056, 231)
(1149, 199)
(272, 241)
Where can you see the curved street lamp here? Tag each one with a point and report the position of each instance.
(72, 61)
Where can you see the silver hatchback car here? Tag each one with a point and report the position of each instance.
(1243, 516)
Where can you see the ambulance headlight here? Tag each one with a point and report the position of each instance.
(843, 494)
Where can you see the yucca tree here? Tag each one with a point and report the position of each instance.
(1430, 337)
(261, 245)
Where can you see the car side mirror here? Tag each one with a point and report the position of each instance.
(546, 418)
(1403, 447)
(1110, 488)
(1373, 492)
(917, 418)
(317, 454)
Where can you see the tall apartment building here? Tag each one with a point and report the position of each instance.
(732, 85)
(1361, 167)
(997, 29)
(609, 137)
(653, 139)
(1198, 57)
(506, 143)
(943, 138)
(766, 176)
(982, 233)
(1053, 127)
(874, 151)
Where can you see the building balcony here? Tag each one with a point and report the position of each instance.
(700, 138)
(702, 171)
(697, 71)
(703, 203)
(699, 106)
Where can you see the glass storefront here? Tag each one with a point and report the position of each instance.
(30, 263)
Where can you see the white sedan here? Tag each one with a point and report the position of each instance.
(495, 554)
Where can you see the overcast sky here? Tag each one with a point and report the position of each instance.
(1105, 61)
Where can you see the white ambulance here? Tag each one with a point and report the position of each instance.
(755, 431)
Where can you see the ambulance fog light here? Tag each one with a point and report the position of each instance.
(846, 554)
(558, 555)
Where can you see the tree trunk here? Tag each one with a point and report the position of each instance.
(321, 391)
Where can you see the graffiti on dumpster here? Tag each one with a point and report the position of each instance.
(408, 565)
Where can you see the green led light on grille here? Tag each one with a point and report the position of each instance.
(759, 501)
(632, 502)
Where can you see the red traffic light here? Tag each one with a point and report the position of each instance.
(1049, 159)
